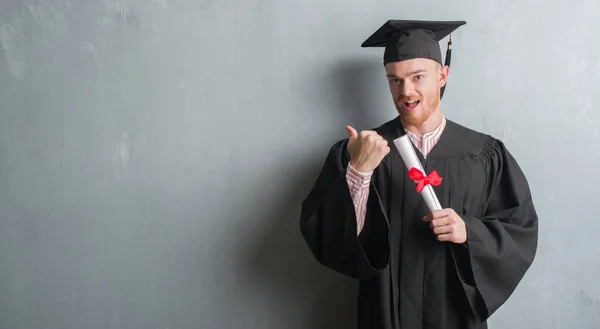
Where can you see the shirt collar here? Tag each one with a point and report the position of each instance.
(429, 135)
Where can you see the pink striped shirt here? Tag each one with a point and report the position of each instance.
(358, 182)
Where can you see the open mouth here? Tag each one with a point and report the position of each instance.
(411, 104)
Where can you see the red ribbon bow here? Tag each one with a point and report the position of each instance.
(422, 180)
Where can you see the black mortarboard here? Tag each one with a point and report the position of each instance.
(408, 39)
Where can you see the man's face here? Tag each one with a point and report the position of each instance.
(415, 86)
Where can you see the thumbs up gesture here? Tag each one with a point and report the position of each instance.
(367, 149)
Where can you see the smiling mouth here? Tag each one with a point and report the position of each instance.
(410, 105)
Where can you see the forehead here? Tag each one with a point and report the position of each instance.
(405, 68)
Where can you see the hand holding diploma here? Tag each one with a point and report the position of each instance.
(445, 223)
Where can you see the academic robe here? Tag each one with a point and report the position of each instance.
(408, 279)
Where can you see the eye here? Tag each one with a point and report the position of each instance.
(419, 77)
(395, 81)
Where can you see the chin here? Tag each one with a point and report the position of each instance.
(414, 117)
(413, 121)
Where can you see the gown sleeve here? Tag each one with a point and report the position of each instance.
(328, 222)
(501, 245)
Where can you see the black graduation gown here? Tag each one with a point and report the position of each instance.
(408, 279)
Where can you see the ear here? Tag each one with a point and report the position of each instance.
(444, 71)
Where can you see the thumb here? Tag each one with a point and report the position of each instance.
(352, 132)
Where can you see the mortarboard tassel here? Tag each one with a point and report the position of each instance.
(447, 61)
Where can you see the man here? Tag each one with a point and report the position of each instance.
(446, 269)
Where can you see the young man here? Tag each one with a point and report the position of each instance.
(446, 269)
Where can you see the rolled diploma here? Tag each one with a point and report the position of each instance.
(405, 148)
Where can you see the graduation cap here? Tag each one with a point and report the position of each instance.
(408, 39)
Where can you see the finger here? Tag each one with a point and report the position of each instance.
(443, 229)
(433, 216)
(352, 132)
(373, 137)
(441, 213)
(445, 237)
(366, 133)
(440, 222)
(382, 151)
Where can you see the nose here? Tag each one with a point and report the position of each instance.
(407, 88)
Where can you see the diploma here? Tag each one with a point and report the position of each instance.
(409, 156)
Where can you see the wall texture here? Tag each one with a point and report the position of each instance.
(154, 153)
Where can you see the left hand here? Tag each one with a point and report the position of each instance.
(447, 225)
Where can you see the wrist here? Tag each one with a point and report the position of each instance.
(356, 168)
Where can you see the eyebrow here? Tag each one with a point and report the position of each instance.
(411, 73)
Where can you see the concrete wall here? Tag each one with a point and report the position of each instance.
(154, 153)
